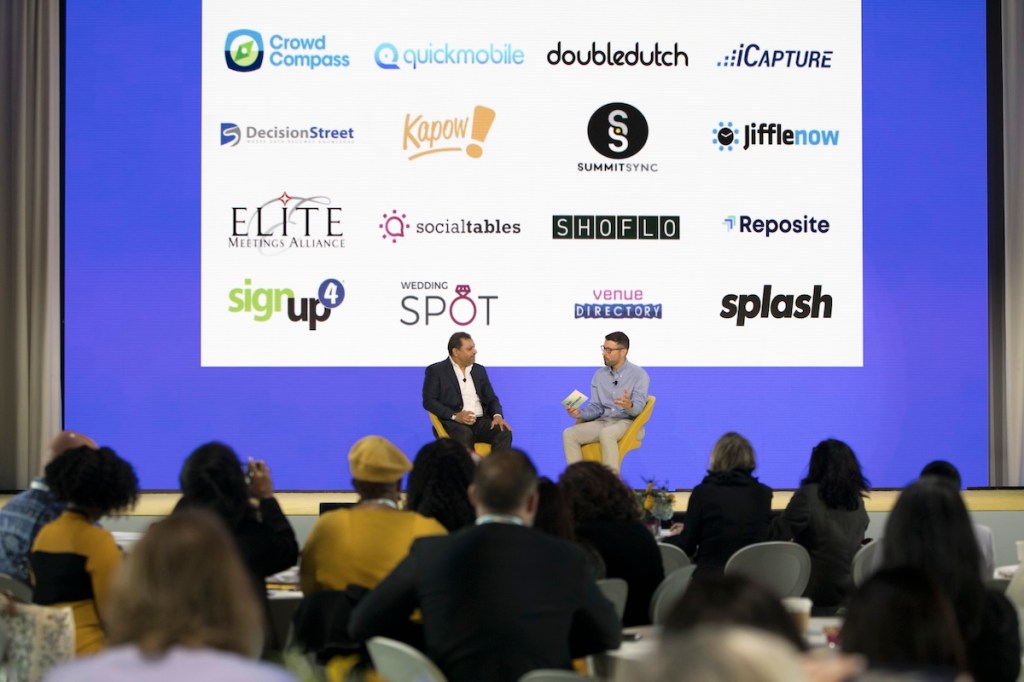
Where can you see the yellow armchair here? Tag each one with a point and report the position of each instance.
(629, 441)
(482, 449)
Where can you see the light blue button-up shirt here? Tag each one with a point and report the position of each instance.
(607, 386)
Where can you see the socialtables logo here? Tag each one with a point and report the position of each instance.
(389, 56)
(397, 226)
(726, 136)
(243, 50)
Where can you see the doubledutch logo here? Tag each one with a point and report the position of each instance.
(243, 50)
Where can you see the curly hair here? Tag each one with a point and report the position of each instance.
(837, 472)
(212, 478)
(595, 493)
(94, 479)
(439, 481)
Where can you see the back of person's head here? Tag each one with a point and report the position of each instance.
(504, 482)
(184, 584)
(732, 452)
(725, 600)
(836, 471)
(212, 477)
(943, 470)
(64, 441)
(377, 466)
(595, 493)
(619, 338)
(726, 654)
(439, 483)
(93, 479)
(900, 619)
(554, 516)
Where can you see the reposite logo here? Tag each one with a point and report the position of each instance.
(232, 133)
(464, 308)
(389, 56)
(244, 51)
(266, 304)
(767, 226)
(607, 55)
(397, 227)
(755, 57)
(287, 222)
(425, 136)
(622, 227)
(617, 304)
(745, 307)
(726, 136)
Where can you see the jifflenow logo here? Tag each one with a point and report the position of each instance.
(232, 133)
(624, 227)
(389, 56)
(396, 226)
(746, 307)
(243, 50)
(618, 304)
(461, 309)
(424, 137)
(807, 224)
(263, 303)
(726, 137)
(753, 56)
(313, 221)
(606, 55)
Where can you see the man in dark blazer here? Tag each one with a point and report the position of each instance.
(458, 391)
(499, 598)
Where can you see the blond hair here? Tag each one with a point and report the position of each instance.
(732, 451)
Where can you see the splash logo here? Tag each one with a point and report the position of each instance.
(615, 227)
(769, 226)
(263, 304)
(462, 309)
(314, 223)
(618, 304)
(754, 56)
(388, 56)
(617, 130)
(243, 50)
(750, 306)
(424, 137)
(394, 226)
(230, 134)
(771, 134)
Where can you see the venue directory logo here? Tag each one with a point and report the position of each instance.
(391, 57)
(424, 136)
(773, 225)
(753, 56)
(618, 304)
(244, 51)
(727, 136)
(287, 222)
(617, 131)
(265, 304)
(396, 226)
(434, 299)
(232, 133)
(620, 227)
(612, 55)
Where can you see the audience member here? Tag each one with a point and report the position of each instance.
(606, 514)
(73, 559)
(929, 528)
(498, 599)
(900, 620)
(361, 545)
(30, 510)
(719, 653)
(181, 608)
(439, 484)
(554, 517)
(728, 510)
(826, 515)
(945, 471)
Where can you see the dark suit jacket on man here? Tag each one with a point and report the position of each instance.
(498, 600)
(442, 394)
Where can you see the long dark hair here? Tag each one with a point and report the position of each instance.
(439, 481)
(212, 478)
(837, 472)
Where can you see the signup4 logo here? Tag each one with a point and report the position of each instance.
(264, 303)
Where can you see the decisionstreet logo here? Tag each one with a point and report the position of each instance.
(605, 55)
(313, 222)
(388, 56)
(424, 136)
(395, 226)
(750, 306)
(768, 226)
(753, 56)
(614, 227)
(462, 309)
(263, 304)
(231, 134)
(618, 304)
(770, 134)
(243, 50)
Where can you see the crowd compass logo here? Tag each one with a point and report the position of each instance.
(617, 130)
(243, 50)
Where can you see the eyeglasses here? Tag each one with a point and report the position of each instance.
(605, 349)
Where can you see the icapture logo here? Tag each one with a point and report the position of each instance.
(605, 55)
(726, 136)
(389, 56)
(745, 307)
(462, 309)
(232, 133)
(753, 56)
(243, 50)
(397, 226)
(807, 224)
(314, 224)
(624, 227)
(425, 136)
(263, 304)
(618, 304)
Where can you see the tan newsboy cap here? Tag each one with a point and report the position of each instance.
(375, 459)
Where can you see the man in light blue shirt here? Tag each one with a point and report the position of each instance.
(618, 392)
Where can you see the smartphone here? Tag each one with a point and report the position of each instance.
(631, 636)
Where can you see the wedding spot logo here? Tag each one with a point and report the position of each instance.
(264, 303)
(727, 137)
(617, 304)
(754, 56)
(287, 222)
(424, 137)
(768, 226)
(621, 227)
(461, 309)
(243, 50)
(396, 226)
(745, 307)
(388, 56)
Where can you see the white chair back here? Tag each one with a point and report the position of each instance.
(552, 675)
(399, 662)
(669, 591)
(783, 567)
(864, 562)
(672, 557)
(615, 590)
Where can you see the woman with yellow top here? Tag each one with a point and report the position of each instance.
(73, 559)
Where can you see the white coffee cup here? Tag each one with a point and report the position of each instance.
(800, 609)
(1020, 551)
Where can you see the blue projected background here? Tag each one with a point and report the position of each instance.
(132, 369)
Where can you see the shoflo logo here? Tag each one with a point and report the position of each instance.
(615, 227)
(243, 50)
(617, 130)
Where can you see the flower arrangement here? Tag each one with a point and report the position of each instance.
(655, 503)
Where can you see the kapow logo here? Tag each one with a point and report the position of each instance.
(243, 50)
(447, 135)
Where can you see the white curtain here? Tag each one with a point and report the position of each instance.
(1013, 168)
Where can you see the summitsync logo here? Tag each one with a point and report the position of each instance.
(388, 56)
(726, 136)
(753, 56)
(605, 55)
(424, 136)
(750, 306)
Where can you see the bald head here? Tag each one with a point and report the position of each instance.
(64, 441)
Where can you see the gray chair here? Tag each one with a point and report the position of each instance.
(672, 557)
(399, 662)
(615, 590)
(864, 562)
(783, 567)
(552, 675)
(17, 589)
(669, 591)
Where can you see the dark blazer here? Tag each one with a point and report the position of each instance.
(629, 552)
(443, 397)
(727, 511)
(498, 600)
